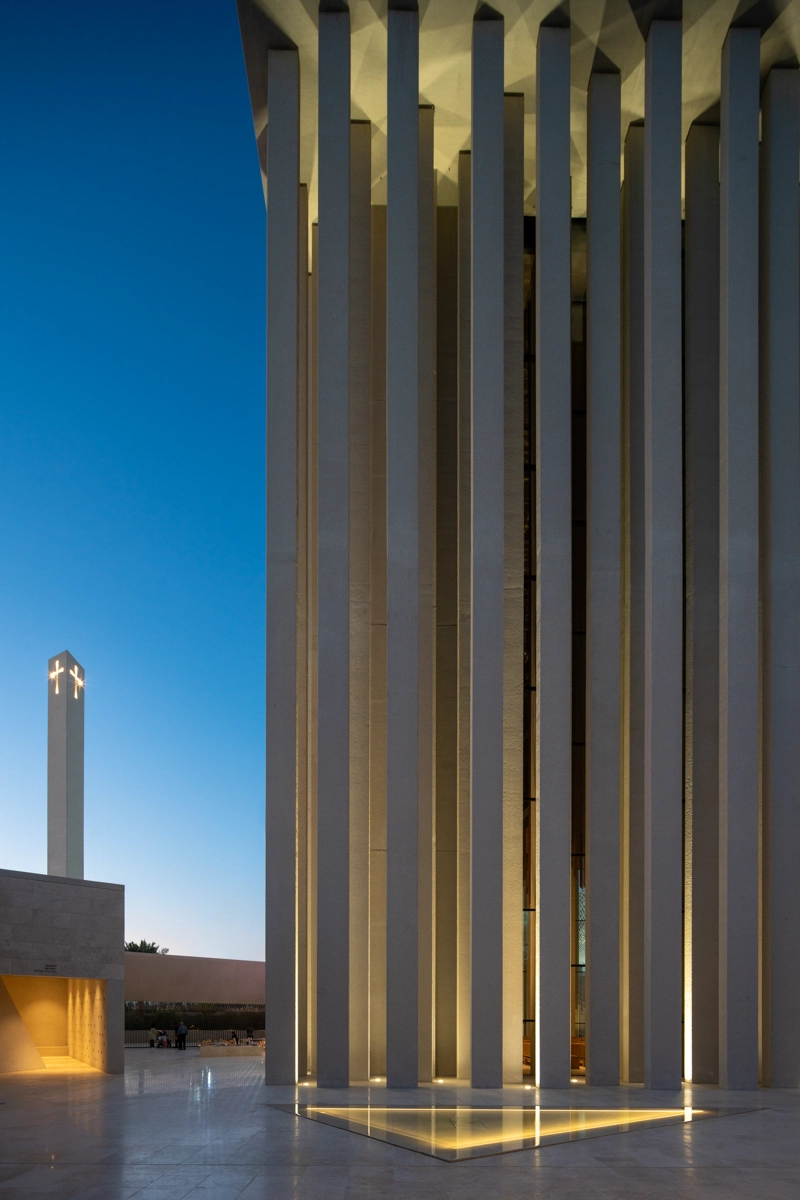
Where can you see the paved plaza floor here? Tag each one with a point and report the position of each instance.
(179, 1126)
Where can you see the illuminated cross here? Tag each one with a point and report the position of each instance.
(78, 681)
(59, 670)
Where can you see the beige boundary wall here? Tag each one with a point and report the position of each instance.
(184, 978)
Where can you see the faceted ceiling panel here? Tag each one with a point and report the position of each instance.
(606, 31)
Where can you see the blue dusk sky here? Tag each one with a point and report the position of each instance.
(132, 421)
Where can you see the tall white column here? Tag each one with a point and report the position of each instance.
(513, 579)
(377, 651)
(65, 766)
(446, 638)
(280, 1013)
(663, 693)
(302, 633)
(359, 331)
(333, 386)
(487, 374)
(632, 874)
(427, 586)
(738, 554)
(402, 483)
(780, 575)
(603, 581)
(553, 559)
(464, 606)
(701, 506)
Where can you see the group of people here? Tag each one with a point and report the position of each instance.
(159, 1038)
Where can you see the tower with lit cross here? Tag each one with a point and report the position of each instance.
(65, 684)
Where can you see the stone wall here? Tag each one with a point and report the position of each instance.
(94, 1023)
(50, 925)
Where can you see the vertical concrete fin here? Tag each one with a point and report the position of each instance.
(738, 553)
(488, 535)
(780, 576)
(402, 488)
(663, 643)
(281, 749)
(553, 558)
(701, 532)
(513, 578)
(333, 518)
(360, 331)
(603, 582)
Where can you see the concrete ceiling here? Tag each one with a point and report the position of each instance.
(606, 31)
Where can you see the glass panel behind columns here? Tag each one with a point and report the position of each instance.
(578, 861)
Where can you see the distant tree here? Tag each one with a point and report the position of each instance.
(164, 950)
(142, 947)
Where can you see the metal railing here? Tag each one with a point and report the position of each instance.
(141, 1037)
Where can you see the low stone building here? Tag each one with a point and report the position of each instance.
(62, 972)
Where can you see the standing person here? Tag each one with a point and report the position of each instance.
(153, 1036)
(249, 1035)
(180, 1033)
(234, 1037)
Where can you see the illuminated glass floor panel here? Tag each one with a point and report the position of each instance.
(455, 1132)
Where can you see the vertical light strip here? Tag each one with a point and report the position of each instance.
(427, 588)
(301, 875)
(311, 1049)
(464, 601)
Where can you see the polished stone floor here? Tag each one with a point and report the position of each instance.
(176, 1126)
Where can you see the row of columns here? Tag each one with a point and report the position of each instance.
(395, 585)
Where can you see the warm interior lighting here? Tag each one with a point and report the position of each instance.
(54, 674)
(63, 1064)
(453, 1132)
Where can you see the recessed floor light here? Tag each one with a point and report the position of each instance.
(453, 1132)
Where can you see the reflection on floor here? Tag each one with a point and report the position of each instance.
(62, 1064)
(176, 1128)
(459, 1132)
